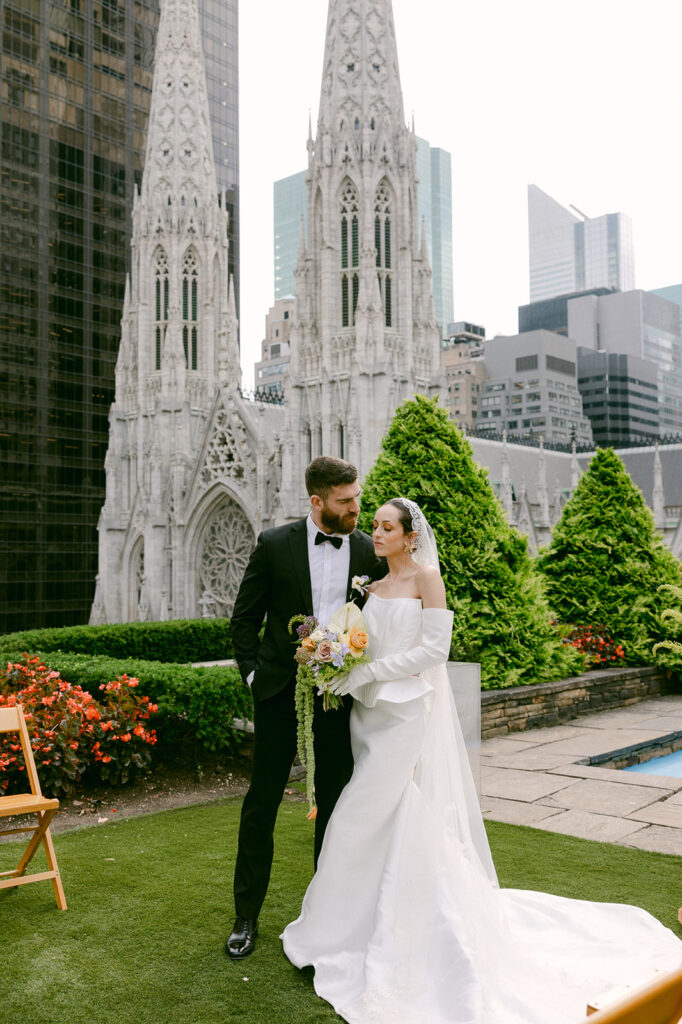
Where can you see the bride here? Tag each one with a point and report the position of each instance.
(404, 921)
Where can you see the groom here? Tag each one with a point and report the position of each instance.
(304, 567)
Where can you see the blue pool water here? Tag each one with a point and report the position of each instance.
(671, 765)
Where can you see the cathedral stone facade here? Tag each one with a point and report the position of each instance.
(193, 470)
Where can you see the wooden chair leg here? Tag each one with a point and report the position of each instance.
(53, 866)
(44, 819)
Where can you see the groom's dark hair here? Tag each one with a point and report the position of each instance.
(326, 472)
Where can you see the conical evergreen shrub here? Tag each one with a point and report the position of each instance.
(502, 619)
(606, 562)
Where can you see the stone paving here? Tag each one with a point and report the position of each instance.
(535, 778)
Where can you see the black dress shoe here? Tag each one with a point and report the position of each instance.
(243, 938)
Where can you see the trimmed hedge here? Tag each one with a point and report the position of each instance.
(179, 640)
(196, 705)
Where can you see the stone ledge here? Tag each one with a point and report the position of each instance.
(530, 707)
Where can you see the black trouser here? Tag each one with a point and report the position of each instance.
(274, 750)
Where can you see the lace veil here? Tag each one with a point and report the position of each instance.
(443, 773)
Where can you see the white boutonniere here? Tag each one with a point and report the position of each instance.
(359, 583)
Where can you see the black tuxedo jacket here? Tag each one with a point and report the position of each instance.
(276, 586)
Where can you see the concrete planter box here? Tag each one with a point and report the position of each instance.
(529, 707)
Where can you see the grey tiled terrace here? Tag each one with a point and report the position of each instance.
(535, 778)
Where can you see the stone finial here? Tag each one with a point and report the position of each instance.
(658, 493)
(556, 502)
(575, 467)
(506, 493)
(542, 492)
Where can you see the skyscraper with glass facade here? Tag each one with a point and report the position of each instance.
(570, 252)
(76, 83)
(435, 209)
(290, 197)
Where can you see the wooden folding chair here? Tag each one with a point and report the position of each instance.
(12, 720)
(658, 1002)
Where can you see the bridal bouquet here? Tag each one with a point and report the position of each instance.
(322, 653)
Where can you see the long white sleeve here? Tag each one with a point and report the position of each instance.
(433, 650)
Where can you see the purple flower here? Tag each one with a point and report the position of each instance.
(307, 627)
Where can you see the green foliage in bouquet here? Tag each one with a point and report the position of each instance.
(605, 562)
(322, 653)
(502, 619)
(669, 652)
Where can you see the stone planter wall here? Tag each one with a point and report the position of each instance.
(529, 707)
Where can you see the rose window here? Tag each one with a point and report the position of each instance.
(224, 551)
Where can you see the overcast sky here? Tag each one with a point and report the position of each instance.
(582, 98)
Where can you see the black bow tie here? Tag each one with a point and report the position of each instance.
(322, 537)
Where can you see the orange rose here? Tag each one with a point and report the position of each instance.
(358, 639)
(308, 643)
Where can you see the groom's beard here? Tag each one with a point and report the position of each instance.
(336, 523)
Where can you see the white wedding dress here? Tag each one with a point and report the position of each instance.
(404, 922)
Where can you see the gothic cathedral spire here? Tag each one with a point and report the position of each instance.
(364, 335)
(178, 355)
(179, 157)
(179, 246)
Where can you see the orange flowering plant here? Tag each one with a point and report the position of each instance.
(124, 742)
(597, 643)
(70, 731)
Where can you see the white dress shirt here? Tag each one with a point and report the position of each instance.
(328, 573)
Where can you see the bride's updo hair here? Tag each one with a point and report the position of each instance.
(404, 514)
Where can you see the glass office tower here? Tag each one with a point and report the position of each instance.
(571, 252)
(290, 203)
(434, 168)
(75, 80)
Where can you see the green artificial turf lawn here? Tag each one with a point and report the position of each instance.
(150, 907)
